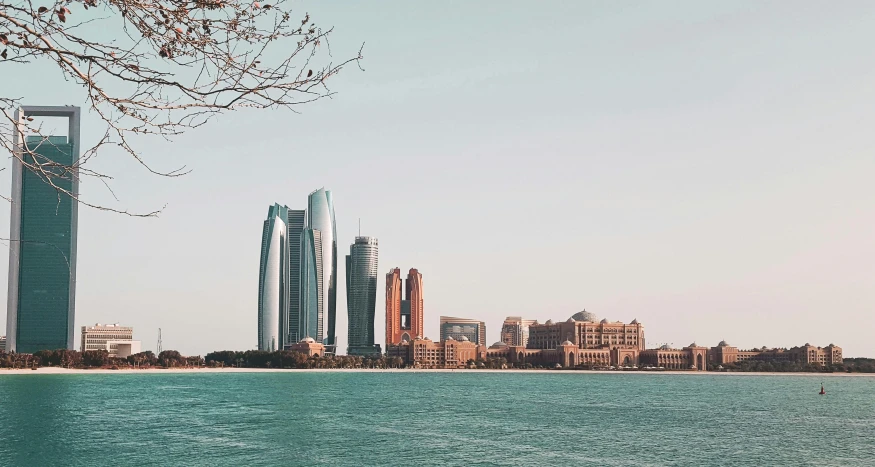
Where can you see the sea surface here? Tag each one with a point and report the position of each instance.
(422, 418)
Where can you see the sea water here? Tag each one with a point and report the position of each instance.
(431, 418)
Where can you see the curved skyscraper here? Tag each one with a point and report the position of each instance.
(273, 280)
(320, 216)
(361, 296)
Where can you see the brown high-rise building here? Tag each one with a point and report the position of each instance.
(403, 313)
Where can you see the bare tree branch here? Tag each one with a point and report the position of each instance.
(173, 65)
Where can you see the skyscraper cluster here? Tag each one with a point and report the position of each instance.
(297, 280)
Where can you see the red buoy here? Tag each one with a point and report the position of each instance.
(822, 392)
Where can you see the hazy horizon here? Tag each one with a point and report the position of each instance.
(701, 167)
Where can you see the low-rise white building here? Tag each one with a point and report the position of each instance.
(117, 340)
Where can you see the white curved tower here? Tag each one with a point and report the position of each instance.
(273, 281)
(320, 216)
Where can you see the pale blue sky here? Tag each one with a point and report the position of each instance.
(703, 167)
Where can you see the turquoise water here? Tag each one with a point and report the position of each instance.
(247, 419)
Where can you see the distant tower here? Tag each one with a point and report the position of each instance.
(361, 296)
(160, 349)
(404, 317)
(41, 301)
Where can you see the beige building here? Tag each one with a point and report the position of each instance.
(691, 357)
(587, 334)
(725, 354)
(110, 337)
(425, 353)
(579, 341)
(515, 330)
(308, 346)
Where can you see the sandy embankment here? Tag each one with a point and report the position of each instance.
(64, 371)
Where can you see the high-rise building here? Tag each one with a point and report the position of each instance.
(515, 330)
(361, 296)
(404, 317)
(295, 228)
(273, 280)
(311, 323)
(117, 340)
(456, 328)
(320, 216)
(41, 300)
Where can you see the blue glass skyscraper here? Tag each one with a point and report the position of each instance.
(42, 249)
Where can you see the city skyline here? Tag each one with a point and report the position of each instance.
(695, 172)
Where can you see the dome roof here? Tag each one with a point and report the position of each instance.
(498, 345)
(584, 316)
(665, 347)
(693, 345)
(568, 343)
(604, 321)
(308, 340)
(549, 322)
(570, 320)
(722, 344)
(464, 339)
(634, 321)
(450, 338)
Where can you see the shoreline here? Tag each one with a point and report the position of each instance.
(65, 371)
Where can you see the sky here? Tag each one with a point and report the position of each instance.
(704, 167)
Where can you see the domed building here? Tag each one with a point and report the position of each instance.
(583, 340)
(308, 346)
(585, 316)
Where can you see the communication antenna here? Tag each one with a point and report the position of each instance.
(360, 226)
(159, 340)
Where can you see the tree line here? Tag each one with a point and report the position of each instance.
(850, 365)
(97, 359)
(296, 360)
(287, 359)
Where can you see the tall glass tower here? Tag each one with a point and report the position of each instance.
(320, 216)
(361, 296)
(41, 302)
(310, 322)
(273, 280)
(295, 225)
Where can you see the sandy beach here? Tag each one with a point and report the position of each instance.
(65, 371)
